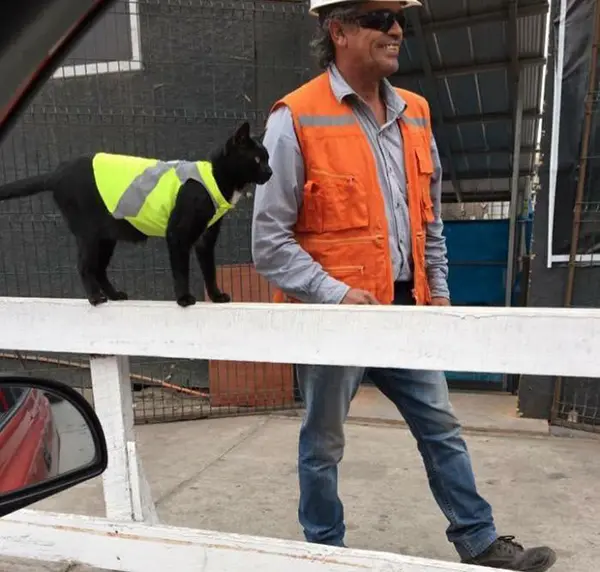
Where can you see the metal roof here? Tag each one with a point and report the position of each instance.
(466, 58)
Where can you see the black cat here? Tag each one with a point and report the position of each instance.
(184, 212)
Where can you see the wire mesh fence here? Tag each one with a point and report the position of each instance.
(588, 233)
(169, 79)
(576, 402)
(487, 210)
(577, 406)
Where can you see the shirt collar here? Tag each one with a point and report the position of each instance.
(342, 90)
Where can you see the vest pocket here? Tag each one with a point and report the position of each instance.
(425, 168)
(424, 161)
(333, 203)
(341, 272)
(353, 276)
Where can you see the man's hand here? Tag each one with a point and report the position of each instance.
(356, 296)
(440, 301)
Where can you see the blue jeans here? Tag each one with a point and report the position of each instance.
(422, 399)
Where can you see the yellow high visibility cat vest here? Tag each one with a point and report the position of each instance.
(143, 191)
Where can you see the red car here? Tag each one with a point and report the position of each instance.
(29, 440)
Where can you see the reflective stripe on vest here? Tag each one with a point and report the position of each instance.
(326, 120)
(154, 182)
(338, 120)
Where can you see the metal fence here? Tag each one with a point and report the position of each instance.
(576, 402)
(167, 79)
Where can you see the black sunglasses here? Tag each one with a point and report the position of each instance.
(380, 20)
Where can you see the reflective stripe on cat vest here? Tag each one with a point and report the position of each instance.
(143, 191)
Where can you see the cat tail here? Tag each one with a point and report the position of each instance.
(24, 187)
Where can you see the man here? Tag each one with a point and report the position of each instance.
(351, 215)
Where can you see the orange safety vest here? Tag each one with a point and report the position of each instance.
(342, 223)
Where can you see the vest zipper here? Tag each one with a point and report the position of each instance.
(334, 175)
(360, 269)
(351, 239)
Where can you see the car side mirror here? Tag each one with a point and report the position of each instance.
(50, 440)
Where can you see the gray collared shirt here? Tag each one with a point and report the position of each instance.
(277, 255)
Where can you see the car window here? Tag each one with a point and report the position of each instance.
(10, 400)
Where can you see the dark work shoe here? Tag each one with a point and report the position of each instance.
(507, 554)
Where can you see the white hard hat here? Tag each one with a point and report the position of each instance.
(316, 5)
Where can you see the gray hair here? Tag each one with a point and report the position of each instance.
(322, 44)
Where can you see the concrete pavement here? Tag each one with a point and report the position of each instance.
(239, 475)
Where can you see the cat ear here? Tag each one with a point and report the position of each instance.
(242, 134)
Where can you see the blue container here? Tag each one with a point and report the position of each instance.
(477, 262)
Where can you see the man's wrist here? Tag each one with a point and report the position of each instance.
(331, 291)
(439, 289)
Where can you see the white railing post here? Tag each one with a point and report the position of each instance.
(127, 493)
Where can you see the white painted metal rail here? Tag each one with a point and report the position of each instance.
(503, 340)
(129, 539)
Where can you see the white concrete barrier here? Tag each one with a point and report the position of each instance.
(129, 539)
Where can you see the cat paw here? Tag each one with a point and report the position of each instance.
(186, 300)
(220, 298)
(97, 299)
